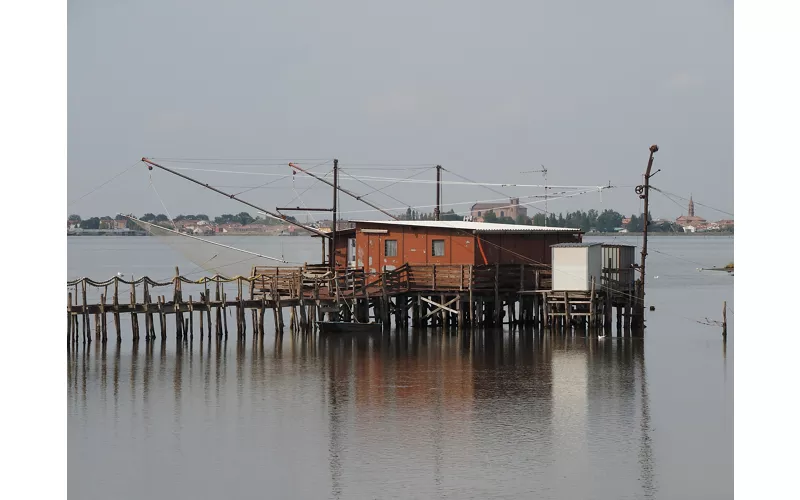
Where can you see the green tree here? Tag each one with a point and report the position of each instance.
(450, 215)
(522, 220)
(93, 223)
(635, 225)
(244, 218)
(148, 217)
(201, 217)
(538, 219)
(489, 216)
(608, 221)
(161, 218)
(74, 218)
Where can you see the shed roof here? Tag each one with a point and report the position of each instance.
(477, 227)
(573, 245)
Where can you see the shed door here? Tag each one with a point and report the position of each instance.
(351, 252)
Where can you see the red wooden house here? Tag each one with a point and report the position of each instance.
(379, 246)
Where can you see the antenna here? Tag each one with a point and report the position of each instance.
(543, 171)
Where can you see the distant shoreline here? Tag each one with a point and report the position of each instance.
(714, 234)
(145, 233)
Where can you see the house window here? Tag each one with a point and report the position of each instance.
(502, 213)
(438, 248)
(390, 248)
(479, 213)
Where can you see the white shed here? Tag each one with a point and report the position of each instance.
(574, 266)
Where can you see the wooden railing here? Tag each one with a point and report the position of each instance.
(316, 281)
(619, 280)
(456, 277)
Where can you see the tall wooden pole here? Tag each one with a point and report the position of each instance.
(644, 193)
(437, 212)
(332, 252)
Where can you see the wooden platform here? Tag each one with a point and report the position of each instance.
(430, 295)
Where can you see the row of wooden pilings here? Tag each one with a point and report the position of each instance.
(211, 313)
(560, 311)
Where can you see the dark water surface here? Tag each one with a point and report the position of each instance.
(495, 415)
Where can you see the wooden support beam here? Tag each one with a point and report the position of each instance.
(438, 307)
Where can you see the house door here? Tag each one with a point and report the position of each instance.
(351, 252)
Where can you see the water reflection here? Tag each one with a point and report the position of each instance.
(532, 412)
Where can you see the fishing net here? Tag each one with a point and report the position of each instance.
(209, 254)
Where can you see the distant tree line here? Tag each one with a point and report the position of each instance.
(607, 221)
(243, 218)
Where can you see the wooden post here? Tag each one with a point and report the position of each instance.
(592, 305)
(178, 302)
(134, 317)
(86, 327)
(224, 309)
(191, 317)
(567, 315)
(497, 305)
(218, 299)
(261, 315)
(162, 316)
(116, 308)
(238, 311)
(471, 302)
(415, 311)
(202, 299)
(69, 316)
(724, 318)
(460, 309)
(103, 314)
(148, 318)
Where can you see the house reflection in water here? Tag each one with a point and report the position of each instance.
(447, 411)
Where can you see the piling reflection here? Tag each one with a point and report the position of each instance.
(456, 401)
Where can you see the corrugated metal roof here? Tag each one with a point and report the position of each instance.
(570, 245)
(478, 227)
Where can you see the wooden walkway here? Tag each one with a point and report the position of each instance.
(420, 296)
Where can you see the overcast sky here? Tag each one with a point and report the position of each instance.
(486, 89)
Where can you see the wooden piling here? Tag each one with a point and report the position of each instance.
(497, 303)
(177, 300)
(200, 315)
(86, 327)
(224, 310)
(217, 299)
(191, 317)
(725, 318)
(103, 329)
(471, 302)
(148, 318)
(592, 305)
(116, 309)
(162, 316)
(134, 318)
(69, 316)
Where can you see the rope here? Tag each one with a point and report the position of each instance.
(162, 202)
(687, 199)
(103, 184)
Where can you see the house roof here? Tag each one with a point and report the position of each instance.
(477, 227)
(574, 245)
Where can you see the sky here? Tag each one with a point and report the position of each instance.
(488, 90)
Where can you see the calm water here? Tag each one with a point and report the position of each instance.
(416, 416)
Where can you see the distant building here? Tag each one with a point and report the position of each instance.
(512, 209)
(691, 220)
